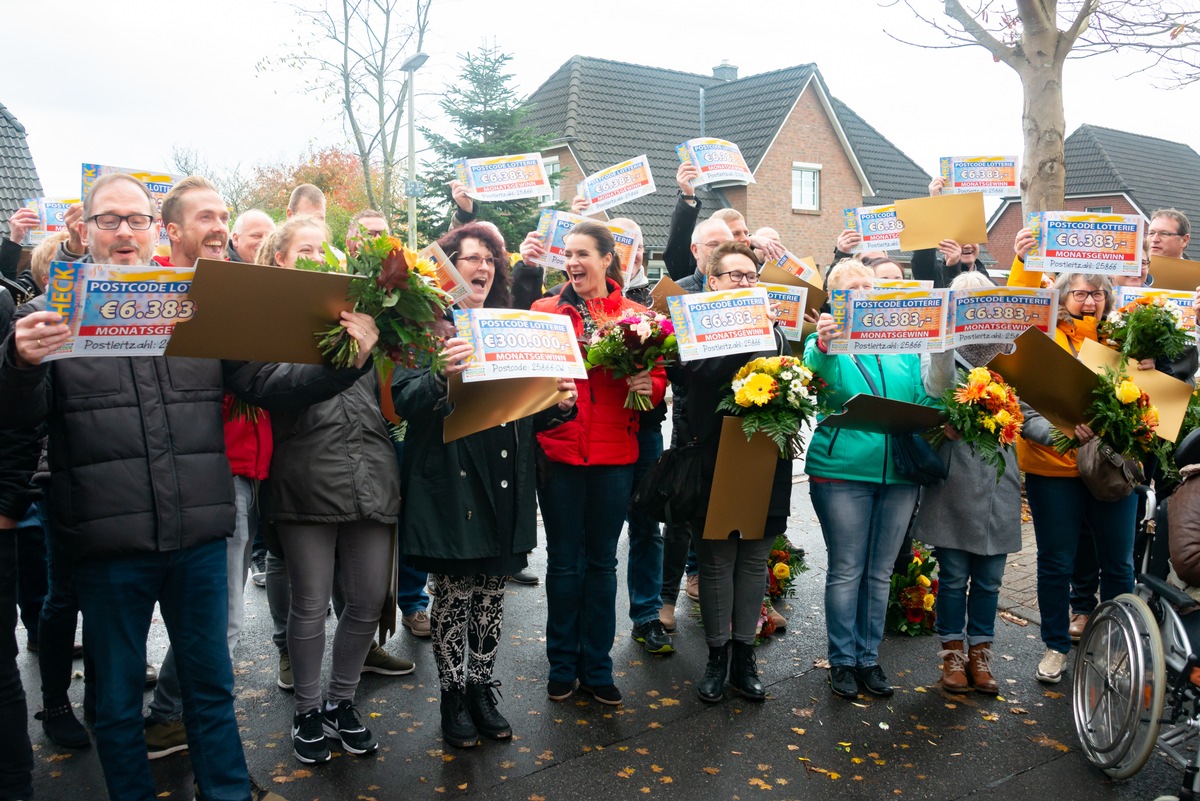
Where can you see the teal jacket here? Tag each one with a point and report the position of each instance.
(860, 455)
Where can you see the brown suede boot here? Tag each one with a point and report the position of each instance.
(979, 670)
(954, 662)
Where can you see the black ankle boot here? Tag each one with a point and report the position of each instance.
(457, 728)
(481, 705)
(743, 673)
(62, 728)
(711, 688)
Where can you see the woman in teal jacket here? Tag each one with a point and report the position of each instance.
(863, 505)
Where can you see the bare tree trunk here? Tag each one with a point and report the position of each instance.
(1043, 170)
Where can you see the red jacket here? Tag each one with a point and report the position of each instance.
(603, 432)
(248, 444)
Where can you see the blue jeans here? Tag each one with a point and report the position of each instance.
(16, 766)
(56, 629)
(583, 508)
(956, 608)
(411, 596)
(117, 596)
(645, 568)
(31, 569)
(862, 523)
(167, 703)
(1060, 506)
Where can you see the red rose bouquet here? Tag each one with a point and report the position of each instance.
(631, 344)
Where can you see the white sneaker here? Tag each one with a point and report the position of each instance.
(1051, 668)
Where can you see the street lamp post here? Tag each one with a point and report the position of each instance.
(411, 65)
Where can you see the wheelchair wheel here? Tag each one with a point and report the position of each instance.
(1119, 683)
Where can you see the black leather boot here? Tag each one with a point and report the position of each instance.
(481, 705)
(743, 673)
(711, 688)
(457, 727)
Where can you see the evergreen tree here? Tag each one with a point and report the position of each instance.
(488, 120)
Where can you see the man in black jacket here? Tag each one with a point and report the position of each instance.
(142, 494)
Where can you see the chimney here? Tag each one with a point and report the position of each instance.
(726, 71)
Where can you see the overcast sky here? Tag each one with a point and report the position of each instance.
(121, 83)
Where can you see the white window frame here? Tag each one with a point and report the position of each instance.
(1099, 209)
(552, 166)
(799, 168)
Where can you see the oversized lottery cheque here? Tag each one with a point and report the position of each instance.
(1181, 298)
(1083, 242)
(890, 321)
(118, 311)
(158, 182)
(51, 212)
(717, 160)
(711, 324)
(554, 226)
(504, 177)
(805, 269)
(878, 225)
(991, 175)
(902, 283)
(789, 302)
(617, 184)
(512, 343)
(448, 278)
(999, 314)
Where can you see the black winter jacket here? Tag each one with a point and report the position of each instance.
(136, 445)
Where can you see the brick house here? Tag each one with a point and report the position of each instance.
(810, 154)
(1114, 172)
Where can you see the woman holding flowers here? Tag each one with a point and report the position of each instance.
(589, 479)
(864, 506)
(973, 518)
(733, 572)
(470, 505)
(1058, 499)
(333, 495)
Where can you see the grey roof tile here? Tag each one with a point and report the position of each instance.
(610, 111)
(18, 176)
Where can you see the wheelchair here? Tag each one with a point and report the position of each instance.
(1136, 682)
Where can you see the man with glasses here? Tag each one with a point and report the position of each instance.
(141, 496)
(705, 238)
(1168, 233)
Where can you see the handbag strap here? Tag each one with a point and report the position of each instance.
(867, 376)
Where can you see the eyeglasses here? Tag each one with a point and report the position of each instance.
(111, 222)
(374, 234)
(739, 277)
(1161, 234)
(711, 245)
(477, 260)
(1083, 294)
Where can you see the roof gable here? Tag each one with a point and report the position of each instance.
(610, 111)
(18, 177)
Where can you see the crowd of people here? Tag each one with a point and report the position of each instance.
(134, 481)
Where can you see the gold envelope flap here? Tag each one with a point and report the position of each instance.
(1048, 378)
(1172, 273)
(929, 220)
(883, 415)
(480, 405)
(1168, 394)
(665, 288)
(253, 312)
(742, 481)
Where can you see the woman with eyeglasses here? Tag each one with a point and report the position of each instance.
(733, 571)
(1058, 499)
(588, 481)
(469, 505)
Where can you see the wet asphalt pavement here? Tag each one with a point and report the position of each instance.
(802, 743)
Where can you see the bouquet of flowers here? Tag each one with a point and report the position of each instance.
(985, 412)
(1121, 416)
(631, 344)
(1146, 328)
(784, 562)
(912, 601)
(400, 293)
(776, 396)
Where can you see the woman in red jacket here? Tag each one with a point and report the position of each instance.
(585, 493)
